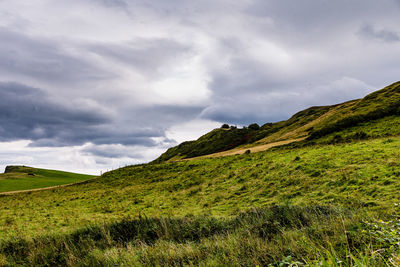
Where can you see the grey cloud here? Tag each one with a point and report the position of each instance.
(112, 3)
(316, 36)
(262, 98)
(43, 59)
(114, 151)
(317, 24)
(233, 45)
(313, 15)
(246, 76)
(29, 113)
(369, 31)
(147, 56)
(79, 135)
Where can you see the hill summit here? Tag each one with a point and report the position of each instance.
(18, 168)
(309, 125)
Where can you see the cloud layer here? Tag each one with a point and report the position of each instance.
(119, 81)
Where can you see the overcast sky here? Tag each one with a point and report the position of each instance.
(91, 85)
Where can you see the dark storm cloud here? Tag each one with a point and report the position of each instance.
(109, 134)
(369, 31)
(112, 152)
(29, 113)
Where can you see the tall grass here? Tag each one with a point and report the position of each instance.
(279, 235)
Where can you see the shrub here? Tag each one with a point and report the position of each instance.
(360, 135)
(254, 126)
(336, 139)
(225, 126)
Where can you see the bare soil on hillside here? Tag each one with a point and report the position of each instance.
(239, 151)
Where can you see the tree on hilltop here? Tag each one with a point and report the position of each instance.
(225, 126)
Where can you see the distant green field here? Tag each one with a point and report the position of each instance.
(25, 178)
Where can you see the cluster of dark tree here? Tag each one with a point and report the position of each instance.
(226, 126)
(253, 126)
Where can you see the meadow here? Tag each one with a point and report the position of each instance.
(26, 178)
(327, 196)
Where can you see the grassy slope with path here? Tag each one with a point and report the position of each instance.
(252, 149)
(19, 178)
(362, 173)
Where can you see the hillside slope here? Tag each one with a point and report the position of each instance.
(96, 223)
(358, 173)
(312, 123)
(16, 178)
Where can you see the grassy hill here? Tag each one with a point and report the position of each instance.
(16, 178)
(331, 200)
(204, 209)
(312, 123)
(212, 142)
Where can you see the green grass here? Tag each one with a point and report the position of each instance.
(250, 238)
(385, 127)
(361, 177)
(379, 104)
(25, 178)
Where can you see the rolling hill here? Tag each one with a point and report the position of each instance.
(17, 178)
(312, 123)
(328, 199)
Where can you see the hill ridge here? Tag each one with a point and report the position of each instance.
(312, 123)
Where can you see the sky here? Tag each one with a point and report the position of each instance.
(93, 85)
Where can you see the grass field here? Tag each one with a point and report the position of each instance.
(344, 187)
(26, 178)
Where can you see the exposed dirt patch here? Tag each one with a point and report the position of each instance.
(238, 151)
